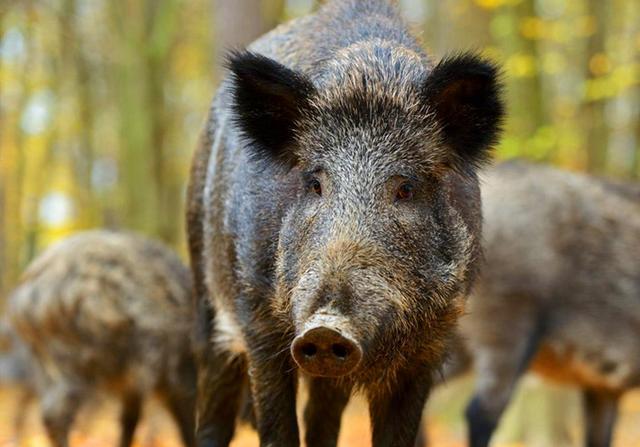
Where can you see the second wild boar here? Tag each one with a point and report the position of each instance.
(107, 311)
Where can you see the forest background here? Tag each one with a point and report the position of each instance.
(101, 102)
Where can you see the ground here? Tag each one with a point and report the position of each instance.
(97, 425)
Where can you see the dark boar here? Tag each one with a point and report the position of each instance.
(107, 311)
(559, 294)
(334, 223)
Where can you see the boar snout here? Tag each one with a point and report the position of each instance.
(326, 352)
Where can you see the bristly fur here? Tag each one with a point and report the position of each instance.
(103, 310)
(347, 100)
(464, 91)
(558, 294)
(267, 102)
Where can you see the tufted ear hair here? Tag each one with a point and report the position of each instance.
(465, 93)
(268, 99)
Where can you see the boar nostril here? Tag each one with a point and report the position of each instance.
(325, 352)
(309, 349)
(339, 351)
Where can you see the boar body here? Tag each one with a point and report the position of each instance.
(559, 293)
(106, 311)
(334, 223)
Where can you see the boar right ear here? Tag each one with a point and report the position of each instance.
(268, 100)
(465, 93)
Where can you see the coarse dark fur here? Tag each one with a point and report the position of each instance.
(335, 184)
(107, 311)
(559, 293)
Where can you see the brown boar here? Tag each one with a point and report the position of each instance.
(107, 311)
(334, 223)
(559, 293)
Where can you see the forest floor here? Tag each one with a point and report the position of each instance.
(97, 425)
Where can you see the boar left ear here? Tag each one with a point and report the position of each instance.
(267, 100)
(465, 93)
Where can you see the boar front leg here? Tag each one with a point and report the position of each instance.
(59, 406)
(181, 405)
(273, 389)
(396, 414)
(130, 416)
(601, 411)
(220, 379)
(323, 412)
(499, 368)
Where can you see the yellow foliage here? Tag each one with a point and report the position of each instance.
(564, 108)
(599, 64)
(188, 62)
(494, 4)
(585, 26)
(612, 84)
(561, 32)
(520, 65)
(553, 62)
(532, 27)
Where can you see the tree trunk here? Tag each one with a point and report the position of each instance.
(239, 22)
(12, 172)
(4, 177)
(525, 98)
(84, 161)
(161, 34)
(135, 157)
(595, 128)
(635, 167)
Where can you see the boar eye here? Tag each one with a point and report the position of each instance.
(404, 192)
(315, 186)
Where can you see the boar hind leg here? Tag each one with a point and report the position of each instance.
(396, 414)
(181, 405)
(220, 381)
(323, 412)
(601, 410)
(59, 406)
(498, 369)
(129, 417)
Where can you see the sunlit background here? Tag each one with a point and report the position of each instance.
(101, 103)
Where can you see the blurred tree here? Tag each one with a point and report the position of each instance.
(4, 259)
(143, 41)
(635, 166)
(238, 22)
(594, 110)
(83, 160)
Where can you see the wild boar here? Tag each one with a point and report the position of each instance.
(334, 223)
(559, 293)
(108, 311)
